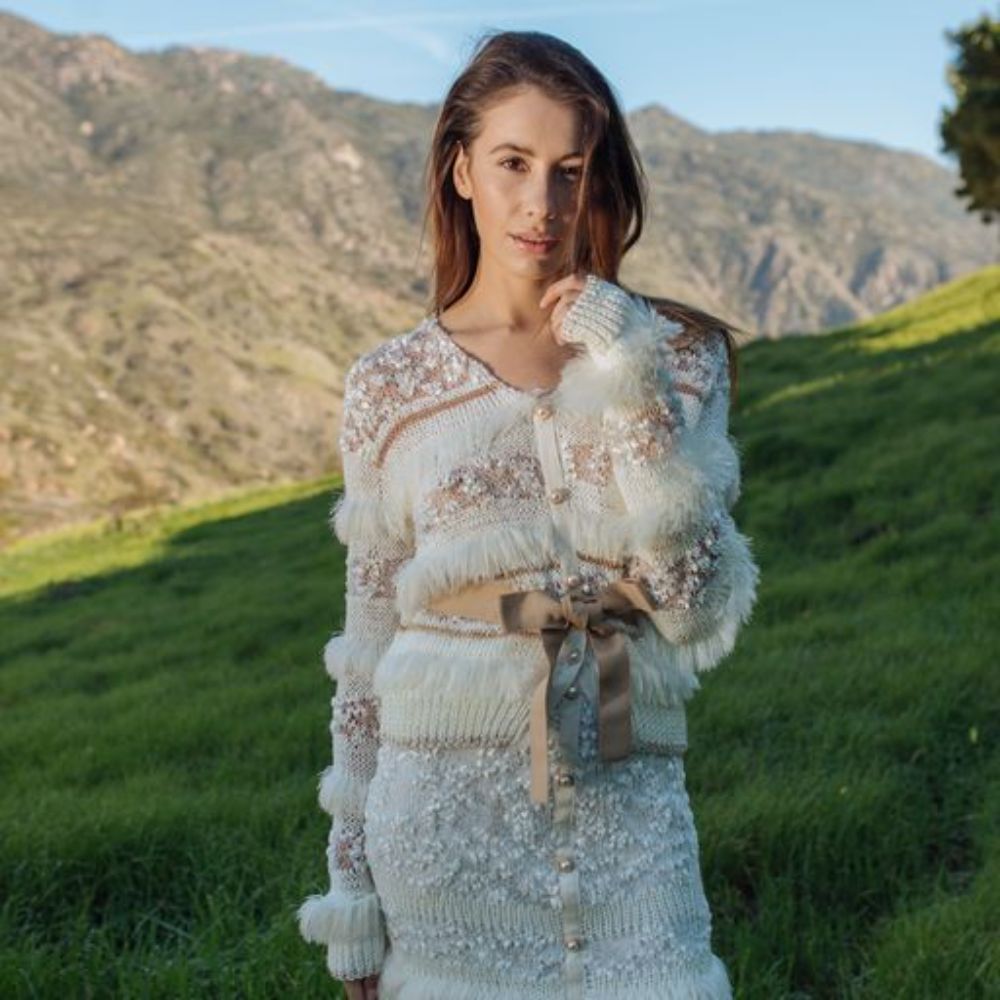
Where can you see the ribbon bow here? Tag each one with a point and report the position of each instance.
(578, 619)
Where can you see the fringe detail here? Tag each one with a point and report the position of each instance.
(657, 674)
(681, 494)
(341, 793)
(399, 981)
(338, 918)
(702, 470)
(608, 535)
(419, 465)
(447, 566)
(743, 576)
(358, 654)
(355, 517)
(619, 375)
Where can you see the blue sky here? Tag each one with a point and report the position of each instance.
(872, 70)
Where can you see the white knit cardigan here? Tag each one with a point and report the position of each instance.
(443, 485)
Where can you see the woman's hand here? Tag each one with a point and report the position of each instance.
(362, 989)
(563, 293)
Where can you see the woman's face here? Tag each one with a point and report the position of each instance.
(522, 175)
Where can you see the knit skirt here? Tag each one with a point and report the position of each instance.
(490, 896)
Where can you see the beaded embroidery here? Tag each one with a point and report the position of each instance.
(471, 874)
(348, 847)
(646, 434)
(590, 461)
(356, 717)
(371, 575)
(694, 363)
(489, 480)
(682, 583)
(455, 804)
(414, 368)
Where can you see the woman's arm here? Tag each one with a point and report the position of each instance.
(348, 918)
(665, 412)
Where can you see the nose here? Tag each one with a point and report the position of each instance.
(544, 198)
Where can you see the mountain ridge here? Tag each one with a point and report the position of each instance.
(201, 240)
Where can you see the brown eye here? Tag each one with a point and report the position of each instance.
(510, 159)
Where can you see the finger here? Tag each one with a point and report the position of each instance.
(566, 302)
(555, 289)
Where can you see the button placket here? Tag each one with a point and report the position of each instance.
(557, 491)
(569, 679)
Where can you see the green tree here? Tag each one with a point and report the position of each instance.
(971, 130)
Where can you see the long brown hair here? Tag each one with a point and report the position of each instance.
(613, 189)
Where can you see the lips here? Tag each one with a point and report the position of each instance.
(538, 239)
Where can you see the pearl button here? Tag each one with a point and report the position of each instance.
(559, 495)
(543, 411)
(564, 778)
(573, 580)
(574, 944)
(566, 865)
(573, 655)
(572, 691)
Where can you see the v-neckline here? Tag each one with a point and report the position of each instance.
(535, 392)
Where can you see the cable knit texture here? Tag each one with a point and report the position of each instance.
(444, 876)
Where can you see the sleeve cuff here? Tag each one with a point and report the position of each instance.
(351, 927)
(621, 334)
(598, 316)
(705, 632)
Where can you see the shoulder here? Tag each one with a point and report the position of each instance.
(696, 354)
(394, 383)
(372, 386)
(698, 361)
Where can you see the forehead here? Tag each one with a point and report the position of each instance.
(531, 119)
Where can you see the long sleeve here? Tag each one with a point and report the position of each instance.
(348, 918)
(665, 414)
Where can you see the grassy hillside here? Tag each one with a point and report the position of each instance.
(165, 709)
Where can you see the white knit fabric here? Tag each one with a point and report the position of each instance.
(444, 876)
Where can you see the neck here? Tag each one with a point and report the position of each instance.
(506, 301)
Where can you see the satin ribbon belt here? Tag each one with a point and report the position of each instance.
(574, 622)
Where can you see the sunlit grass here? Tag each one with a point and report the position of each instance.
(165, 708)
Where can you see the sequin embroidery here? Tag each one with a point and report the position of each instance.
(372, 575)
(356, 717)
(589, 461)
(646, 434)
(478, 484)
(404, 372)
(682, 582)
(458, 824)
(693, 363)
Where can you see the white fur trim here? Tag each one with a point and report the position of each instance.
(341, 917)
(447, 566)
(357, 517)
(351, 927)
(360, 654)
(739, 576)
(340, 792)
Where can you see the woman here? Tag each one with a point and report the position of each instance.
(541, 559)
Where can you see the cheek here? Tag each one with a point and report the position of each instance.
(498, 197)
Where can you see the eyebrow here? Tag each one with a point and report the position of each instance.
(524, 149)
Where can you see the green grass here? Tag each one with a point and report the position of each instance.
(165, 711)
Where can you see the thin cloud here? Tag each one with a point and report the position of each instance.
(395, 21)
